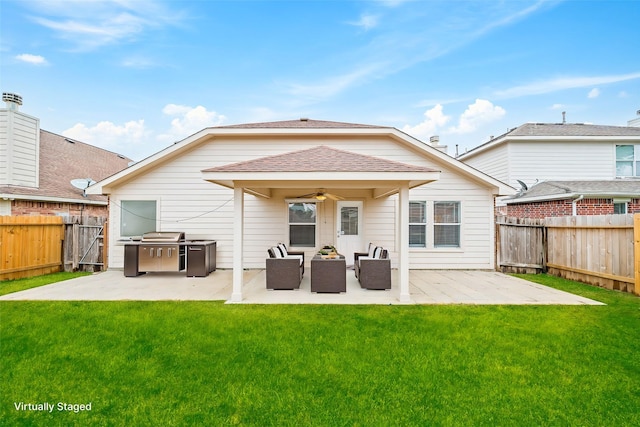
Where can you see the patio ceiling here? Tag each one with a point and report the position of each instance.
(320, 166)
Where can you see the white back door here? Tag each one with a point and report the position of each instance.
(349, 224)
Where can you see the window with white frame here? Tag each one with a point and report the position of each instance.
(137, 217)
(627, 160)
(619, 207)
(446, 224)
(302, 224)
(417, 224)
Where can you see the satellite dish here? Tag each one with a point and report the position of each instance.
(82, 184)
(524, 186)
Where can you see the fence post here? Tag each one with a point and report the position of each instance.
(76, 246)
(636, 252)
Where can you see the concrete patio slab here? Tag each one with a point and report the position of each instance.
(426, 287)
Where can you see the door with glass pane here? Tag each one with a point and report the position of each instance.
(349, 229)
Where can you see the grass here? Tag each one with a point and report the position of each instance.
(10, 286)
(207, 363)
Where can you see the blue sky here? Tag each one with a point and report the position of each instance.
(134, 76)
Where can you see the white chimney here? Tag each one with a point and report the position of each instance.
(435, 142)
(13, 101)
(19, 143)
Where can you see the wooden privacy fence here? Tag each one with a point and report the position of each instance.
(30, 245)
(602, 250)
(36, 245)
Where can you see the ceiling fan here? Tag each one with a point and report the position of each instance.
(321, 195)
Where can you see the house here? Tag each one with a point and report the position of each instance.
(38, 169)
(544, 152)
(565, 198)
(308, 183)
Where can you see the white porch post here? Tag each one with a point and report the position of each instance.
(403, 265)
(238, 240)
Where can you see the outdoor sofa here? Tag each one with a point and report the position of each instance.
(284, 268)
(373, 268)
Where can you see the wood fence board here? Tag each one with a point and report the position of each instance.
(30, 245)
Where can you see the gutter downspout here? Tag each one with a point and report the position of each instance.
(574, 203)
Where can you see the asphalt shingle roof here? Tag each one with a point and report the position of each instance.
(320, 159)
(299, 124)
(602, 187)
(62, 160)
(572, 129)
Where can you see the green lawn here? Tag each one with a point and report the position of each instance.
(211, 364)
(10, 286)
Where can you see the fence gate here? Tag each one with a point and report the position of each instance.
(521, 245)
(84, 243)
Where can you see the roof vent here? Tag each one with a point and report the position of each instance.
(304, 119)
(13, 100)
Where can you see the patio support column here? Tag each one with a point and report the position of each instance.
(238, 240)
(403, 265)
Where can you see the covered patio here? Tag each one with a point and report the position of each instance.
(425, 287)
(321, 167)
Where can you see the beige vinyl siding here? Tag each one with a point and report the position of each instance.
(531, 161)
(4, 147)
(494, 162)
(19, 149)
(476, 235)
(205, 211)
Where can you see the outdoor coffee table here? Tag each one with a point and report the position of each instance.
(328, 274)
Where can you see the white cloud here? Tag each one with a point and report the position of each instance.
(434, 120)
(477, 114)
(557, 106)
(623, 94)
(188, 120)
(121, 139)
(91, 24)
(366, 22)
(594, 93)
(333, 85)
(554, 85)
(32, 59)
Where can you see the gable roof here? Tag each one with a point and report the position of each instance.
(320, 159)
(559, 190)
(63, 159)
(572, 129)
(558, 131)
(302, 123)
(297, 128)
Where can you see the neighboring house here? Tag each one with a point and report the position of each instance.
(539, 152)
(37, 167)
(564, 198)
(309, 183)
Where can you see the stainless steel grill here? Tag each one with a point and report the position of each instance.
(162, 251)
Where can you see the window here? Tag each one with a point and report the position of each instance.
(627, 160)
(446, 224)
(349, 220)
(302, 224)
(619, 208)
(137, 217)
(417, 224)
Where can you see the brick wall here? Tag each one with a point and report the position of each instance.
(28, 207)
(564, 208)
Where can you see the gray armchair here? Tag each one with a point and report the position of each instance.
(373, 272)
(284, 272)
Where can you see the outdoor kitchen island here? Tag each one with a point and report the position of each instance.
(169, 251)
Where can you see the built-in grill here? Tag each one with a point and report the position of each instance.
(162, 251)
